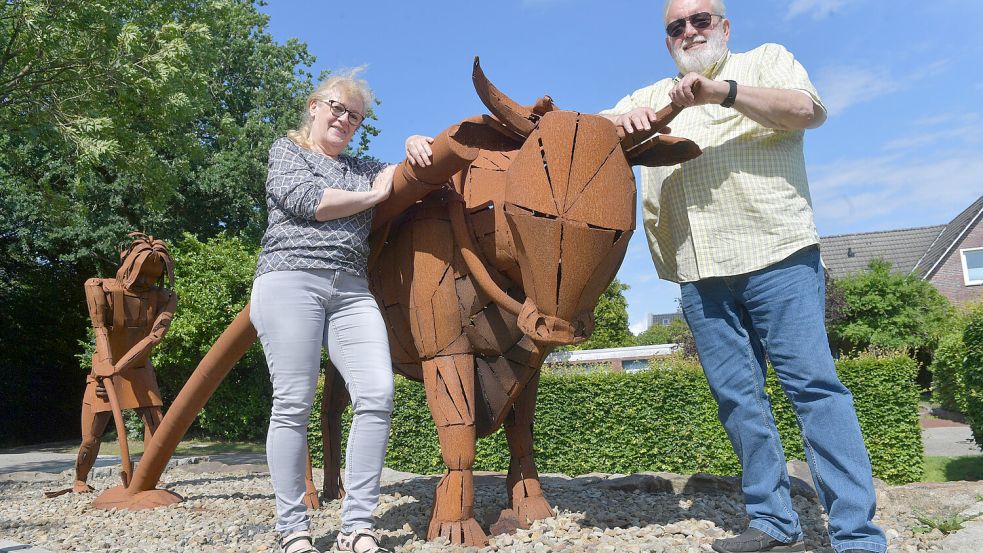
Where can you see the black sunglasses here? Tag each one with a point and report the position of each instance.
(699, 21)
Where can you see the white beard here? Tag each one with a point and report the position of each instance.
(703, 58)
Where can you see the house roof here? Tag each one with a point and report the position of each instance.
(845, 254)
(940, 249)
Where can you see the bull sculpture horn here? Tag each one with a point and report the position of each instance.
(517, 119)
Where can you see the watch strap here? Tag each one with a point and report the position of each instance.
(731, 94)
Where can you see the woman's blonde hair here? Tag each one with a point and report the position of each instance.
(343, 81)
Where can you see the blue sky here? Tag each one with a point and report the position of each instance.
(902, 146)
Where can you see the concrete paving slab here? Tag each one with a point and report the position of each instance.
(949, 441)
(12, 546)
(40, 461)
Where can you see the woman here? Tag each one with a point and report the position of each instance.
(310, 291)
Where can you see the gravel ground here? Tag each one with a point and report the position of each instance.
(230, 509)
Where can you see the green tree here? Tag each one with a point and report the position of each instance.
(610, 320)
(889, 311)
(136, 114)
(662, 334)
(122, 115)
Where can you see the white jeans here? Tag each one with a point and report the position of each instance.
(296, 313)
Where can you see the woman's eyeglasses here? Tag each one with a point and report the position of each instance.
(699, 21)
(338, 109)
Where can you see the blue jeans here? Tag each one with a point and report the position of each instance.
(296, 313)
(779, 311)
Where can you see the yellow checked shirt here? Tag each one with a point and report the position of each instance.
(742, 205)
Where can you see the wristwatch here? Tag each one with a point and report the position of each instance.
(731, 95)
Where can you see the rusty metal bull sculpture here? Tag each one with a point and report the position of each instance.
(482, 263)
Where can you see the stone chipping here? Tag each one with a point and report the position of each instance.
(230, 508)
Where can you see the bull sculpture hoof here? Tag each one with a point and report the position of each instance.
(466, 533)
(311, 500)
(453, 515)
(529, 509)
(82, 487)
(119, 497)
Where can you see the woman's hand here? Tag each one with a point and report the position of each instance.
(382, 186)
(418, 150)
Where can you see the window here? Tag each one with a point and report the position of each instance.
(665, 322)
(972, 266)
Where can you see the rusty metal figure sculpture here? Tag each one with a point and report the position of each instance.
(130, 315)
(493, 255)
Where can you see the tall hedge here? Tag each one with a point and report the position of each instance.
(213, 281)
(948, 388)
(972, 372)
(663, 419)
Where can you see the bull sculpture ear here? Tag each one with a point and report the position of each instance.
(663, 150)
(651, 149)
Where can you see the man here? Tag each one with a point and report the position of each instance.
(735, 228)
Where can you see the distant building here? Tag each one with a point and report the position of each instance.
(630, 359)
(663, 319)
(948, 256)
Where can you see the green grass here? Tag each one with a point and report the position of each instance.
(946, 524)
(948, 469)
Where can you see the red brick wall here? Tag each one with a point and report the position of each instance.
(948, 278)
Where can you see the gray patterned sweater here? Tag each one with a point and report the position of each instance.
(294, 239)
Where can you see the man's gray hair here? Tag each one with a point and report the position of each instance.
(716, 5)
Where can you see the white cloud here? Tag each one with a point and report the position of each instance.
(946, 118)
(817, 9)
(930, 70)
(894, 191)
(843, 86)
(965, 133)
(638, 327)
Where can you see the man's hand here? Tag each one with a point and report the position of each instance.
(696, 90)
(638, 120)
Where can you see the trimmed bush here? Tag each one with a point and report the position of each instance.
(886, 399)
(888, 311)
(664, 419)
(972, 371)
(947, 373)
(213, 280)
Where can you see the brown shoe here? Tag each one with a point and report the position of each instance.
(754, 540)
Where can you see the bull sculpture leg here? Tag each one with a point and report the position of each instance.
(525, 493)
(449, 382)
(334, 400)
